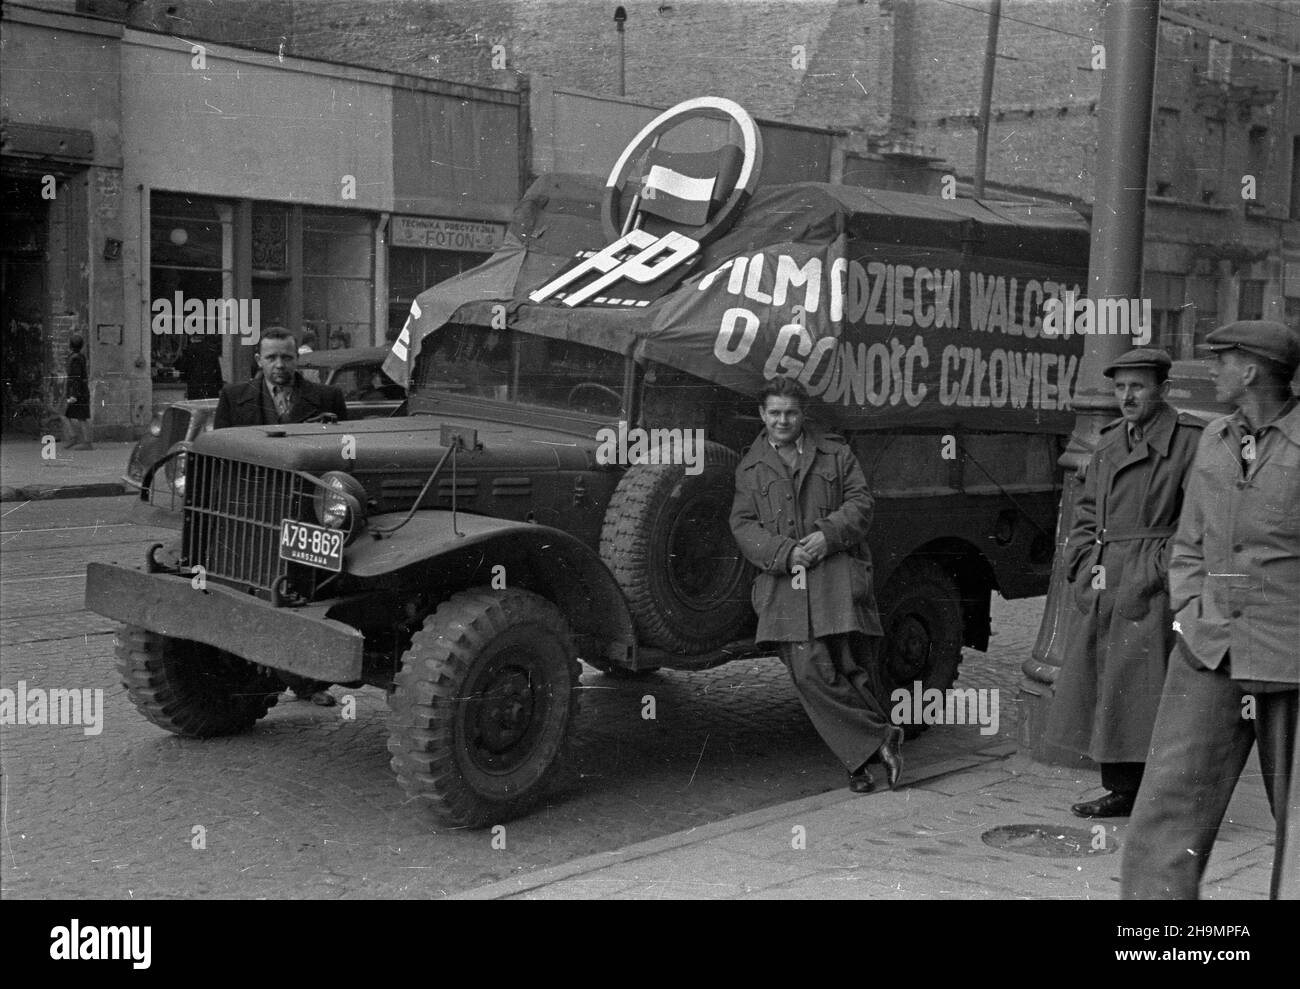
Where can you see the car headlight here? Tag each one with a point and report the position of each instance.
(155, 426)
(340, 502)
(175, 473)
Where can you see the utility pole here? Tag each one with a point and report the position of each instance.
(1114, 271)
(986, 97)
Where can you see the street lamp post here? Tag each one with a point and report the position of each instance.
(620, 18)
(1114, 271)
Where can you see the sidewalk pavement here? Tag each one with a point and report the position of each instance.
(30, 470)
(930, 839)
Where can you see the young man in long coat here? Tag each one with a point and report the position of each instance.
(1234, 582)
(1111, 679)
(801, 514)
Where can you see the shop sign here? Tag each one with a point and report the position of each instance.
(446, 235)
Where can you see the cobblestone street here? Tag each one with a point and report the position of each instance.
(306, 806)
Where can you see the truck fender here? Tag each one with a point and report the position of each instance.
(548, 561)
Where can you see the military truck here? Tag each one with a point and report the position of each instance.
(465, 557)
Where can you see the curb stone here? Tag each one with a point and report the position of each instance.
(517, 885)
(46, 492)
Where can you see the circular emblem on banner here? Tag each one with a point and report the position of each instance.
(697, 193)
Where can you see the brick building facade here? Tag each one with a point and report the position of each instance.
(902, 79)
(898, 80)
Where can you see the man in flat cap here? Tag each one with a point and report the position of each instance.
(1117, 554)
(1234, 580)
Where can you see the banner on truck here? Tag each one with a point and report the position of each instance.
(834, 286)
(875, 335)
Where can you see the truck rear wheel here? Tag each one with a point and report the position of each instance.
(668, 542)
(921, 613)
(190, 688)
(480, 710)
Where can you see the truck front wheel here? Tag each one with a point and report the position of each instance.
(480, 710)
(190, 688)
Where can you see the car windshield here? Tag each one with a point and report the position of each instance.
(525, 370)
(365, 383)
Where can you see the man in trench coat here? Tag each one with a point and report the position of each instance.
(1114, 668)
(1234, 583)
(801, 514)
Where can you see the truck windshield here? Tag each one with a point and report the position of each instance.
(508, 366)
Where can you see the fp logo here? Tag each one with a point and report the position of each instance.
(636, 256)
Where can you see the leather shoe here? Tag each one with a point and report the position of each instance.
(891, 754)
(1111, 805)
(861, 781)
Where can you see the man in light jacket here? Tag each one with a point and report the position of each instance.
(1234, 582)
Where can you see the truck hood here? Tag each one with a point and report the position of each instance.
(406, 444)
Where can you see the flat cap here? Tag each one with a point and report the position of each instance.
(1264, 337)
(1139, 357)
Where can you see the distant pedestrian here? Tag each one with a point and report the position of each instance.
(308, 343)
(1234, 582)
(77, 411)
(801, 514)
(200, 365)
(1118, 561)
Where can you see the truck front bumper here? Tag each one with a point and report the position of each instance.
(301, 641)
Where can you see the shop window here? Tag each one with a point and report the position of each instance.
(1167, 312)
(272, 280)
(190, 257)
(338, 278)
(1257, 156)
(23, 265)
(1168, 155)
(1295, 178)
(1202, 293)
(412, 269)
(1250, 299)
(1210, 159)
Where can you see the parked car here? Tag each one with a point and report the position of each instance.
(353, 370)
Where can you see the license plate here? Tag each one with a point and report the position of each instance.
(314, 545)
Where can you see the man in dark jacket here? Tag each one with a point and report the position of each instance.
(278, 393)
(801, 514)
(1116, 657)
(1234, 584)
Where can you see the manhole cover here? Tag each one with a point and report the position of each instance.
(1052, 842)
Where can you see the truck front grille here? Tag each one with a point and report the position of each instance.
(232, 521)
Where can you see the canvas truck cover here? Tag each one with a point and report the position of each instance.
(897, 311)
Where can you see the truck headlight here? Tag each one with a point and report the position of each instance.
(155, 425)
(340, 502)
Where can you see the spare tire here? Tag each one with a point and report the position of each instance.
(921, 613)
(667, 540)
